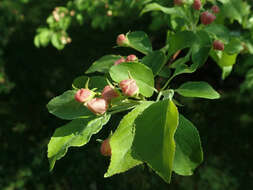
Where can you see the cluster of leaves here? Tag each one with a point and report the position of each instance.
(101, 14)
(135, 139)
(154, 132)
(14, 15)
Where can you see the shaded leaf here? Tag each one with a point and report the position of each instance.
(201, 48)
(98, 82)
(139, 41)
(103, 64)
(74, 134)
(155, 60)
(180, 40)
(189, 152)
(198, 90)
(234, 46)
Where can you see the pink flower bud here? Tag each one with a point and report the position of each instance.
(178, 2)
(215, 9)
(105, 148)
(129, 87)
(121, 60)
(108, 93)
(83, 95)
(131, 57)
(98, 105)
(207, 18)
(197, 5)
(122, 40)
(218, 45)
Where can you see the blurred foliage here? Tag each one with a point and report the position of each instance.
(40, 74)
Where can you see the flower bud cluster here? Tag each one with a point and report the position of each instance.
(206, 17)
(130, 58)
(65, 40)
(99, 105)
(59, 14)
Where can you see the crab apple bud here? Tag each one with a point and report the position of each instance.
(129, 87)
(69, 40)
(62, 15)
(131, 57)
(64, 40)
(105, 148)
(56, 16)
(98, 105)
(178, 2)
(83, 95)
(72, 13)
(197, 5)
(109, 13)
(108, 93)
(207, 18)
(121, 60)
(218, 45)
(122, 40)
(215, 9)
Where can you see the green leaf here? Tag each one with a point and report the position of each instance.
(198, 90)
(226, 71)
(139, 41)
(121, 142)
(180, 66)
(201, 48)
(248, 83)
(165, 72)
(44, 37)
(227, 60)
(141, 73)
(234, 46)
(218, 31)
(36, 41)
(154, 137)
(98, 82)
(156, 7)
(74, 134)
(56, 42)
(180, 40)
(155, 60)
(103, 64)
(189, 152)
(235, 9)
(66, 107)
